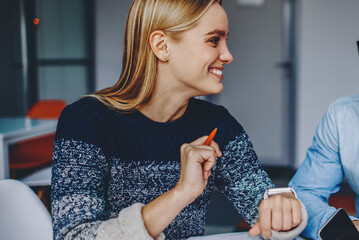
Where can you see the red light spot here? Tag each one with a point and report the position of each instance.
(36, 21)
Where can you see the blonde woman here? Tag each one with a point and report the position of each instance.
(129, 161)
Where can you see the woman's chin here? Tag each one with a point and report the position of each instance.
(211, 90)
(218, 89)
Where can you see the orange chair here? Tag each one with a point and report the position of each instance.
(32, 154)
(47, 109)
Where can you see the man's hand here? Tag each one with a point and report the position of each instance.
(356, 224)
(280, 212)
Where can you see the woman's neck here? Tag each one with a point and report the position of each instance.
(169, 98)
(165, 110)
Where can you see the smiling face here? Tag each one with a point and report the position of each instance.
(196, 61)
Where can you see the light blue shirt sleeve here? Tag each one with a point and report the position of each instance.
(320, 175)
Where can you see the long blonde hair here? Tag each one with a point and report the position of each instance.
(139, 63)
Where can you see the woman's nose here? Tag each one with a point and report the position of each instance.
(226, 56)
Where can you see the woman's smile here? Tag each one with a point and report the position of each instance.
(218, 72)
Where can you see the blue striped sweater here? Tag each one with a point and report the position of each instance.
(105, 161)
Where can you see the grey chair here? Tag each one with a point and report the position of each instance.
(22, 214)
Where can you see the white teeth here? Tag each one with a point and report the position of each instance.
(216, 71)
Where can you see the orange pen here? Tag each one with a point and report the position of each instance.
(210, 137)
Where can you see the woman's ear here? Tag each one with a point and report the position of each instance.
(158, 43)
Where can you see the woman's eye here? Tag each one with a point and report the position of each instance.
(214, 40)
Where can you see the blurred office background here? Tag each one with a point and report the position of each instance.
(291, 59)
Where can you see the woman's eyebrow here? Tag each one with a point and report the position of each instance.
(219, 32)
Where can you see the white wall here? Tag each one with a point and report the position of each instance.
(328, 62)
(110, 26)
(254, 87)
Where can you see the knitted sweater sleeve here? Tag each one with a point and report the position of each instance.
(242, 179)
(239, 174)
(79, 182)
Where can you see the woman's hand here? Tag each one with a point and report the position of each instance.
(280, 212)
(197, 161)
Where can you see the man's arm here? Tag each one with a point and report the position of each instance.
(320, 175)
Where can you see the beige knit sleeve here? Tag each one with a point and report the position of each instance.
(128, 225)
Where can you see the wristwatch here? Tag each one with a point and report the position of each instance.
(273, 191)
